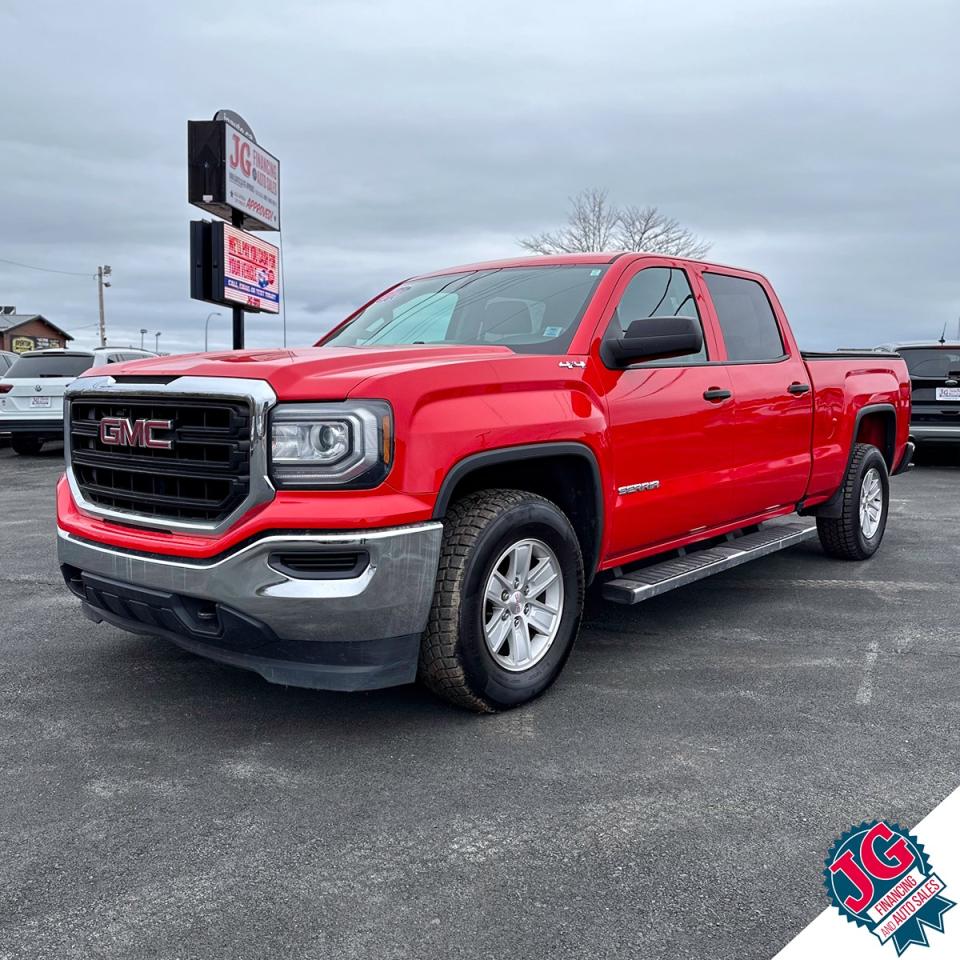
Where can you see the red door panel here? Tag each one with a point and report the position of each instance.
(771, 456)
(664, 432)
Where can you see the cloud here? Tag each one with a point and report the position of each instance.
(813, 141)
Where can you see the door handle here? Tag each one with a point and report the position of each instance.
(715, 394)
(798, 388)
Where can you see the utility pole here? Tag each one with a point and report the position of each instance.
(103, 274)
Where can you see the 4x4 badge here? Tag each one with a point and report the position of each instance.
(570, 364)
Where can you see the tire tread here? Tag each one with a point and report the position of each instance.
(440, 669)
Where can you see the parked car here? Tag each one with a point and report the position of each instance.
(429, 490)
(935, 377)
(31, 391)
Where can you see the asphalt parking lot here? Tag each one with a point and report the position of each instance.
(673, 796)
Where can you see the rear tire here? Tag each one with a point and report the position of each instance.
(865, 500)
(489, 644)
(26, 446)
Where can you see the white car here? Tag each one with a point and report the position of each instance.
(31, 391)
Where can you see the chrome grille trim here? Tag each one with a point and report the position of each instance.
(257, 393)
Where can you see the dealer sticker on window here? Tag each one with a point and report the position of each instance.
(879, 877)
(948, 393)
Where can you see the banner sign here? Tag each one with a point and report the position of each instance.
(23, 344)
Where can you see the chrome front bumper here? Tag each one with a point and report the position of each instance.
(356, 632)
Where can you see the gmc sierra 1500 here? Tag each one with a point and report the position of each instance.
(429, 490)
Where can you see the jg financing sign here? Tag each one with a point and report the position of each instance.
(230, 175)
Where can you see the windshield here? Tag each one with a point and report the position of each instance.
(935, 363)
(54, 365)
(528, 309)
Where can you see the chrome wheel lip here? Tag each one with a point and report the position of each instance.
(522, 605)
(871, 503)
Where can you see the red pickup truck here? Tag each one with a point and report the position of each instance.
(428, 491)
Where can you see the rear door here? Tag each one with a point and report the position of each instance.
(670, 422)
(773, 396)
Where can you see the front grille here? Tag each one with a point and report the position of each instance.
(202, 478)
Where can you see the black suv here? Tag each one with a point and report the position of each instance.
(935, 374)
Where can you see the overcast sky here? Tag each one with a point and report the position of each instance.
(818, 142)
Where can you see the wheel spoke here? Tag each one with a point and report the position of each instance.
(520, 562)
(495, 588)
(497, 633)
(542, 576)
(519, 642)
(541, 619)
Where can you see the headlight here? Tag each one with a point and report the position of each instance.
(331, 444)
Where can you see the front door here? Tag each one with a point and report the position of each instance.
(670, 423)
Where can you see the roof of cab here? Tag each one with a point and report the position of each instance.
(572, 259)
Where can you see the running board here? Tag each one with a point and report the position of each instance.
(662, 577)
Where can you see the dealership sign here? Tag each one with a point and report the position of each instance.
(252, 178)
(250, 270)
(230, 175)
(233, 268)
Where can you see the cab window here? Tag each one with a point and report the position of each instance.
(657, 292)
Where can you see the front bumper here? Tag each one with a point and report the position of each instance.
(50, 429)
(353, 632)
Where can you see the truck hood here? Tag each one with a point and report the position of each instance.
(318, 373)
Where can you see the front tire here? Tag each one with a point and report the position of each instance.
(26, 445)
(508, 601)
(865, 502)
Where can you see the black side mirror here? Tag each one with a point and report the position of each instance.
(654, 338)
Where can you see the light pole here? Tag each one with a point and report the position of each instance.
(206, 328)
(143, 330)
(156, 342)
(103, 274)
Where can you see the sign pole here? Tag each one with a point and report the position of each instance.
(236, 220)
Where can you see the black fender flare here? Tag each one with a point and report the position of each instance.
(833, 506)
(500, 456)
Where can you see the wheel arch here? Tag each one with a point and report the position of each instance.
(567, 473)
(873, 421)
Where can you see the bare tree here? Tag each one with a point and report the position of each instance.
(647, 229)
(593, 224)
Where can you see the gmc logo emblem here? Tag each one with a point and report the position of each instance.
(123, 432)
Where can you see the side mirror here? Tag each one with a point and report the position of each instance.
(654, 338)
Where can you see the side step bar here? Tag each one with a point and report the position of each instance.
(662, 577)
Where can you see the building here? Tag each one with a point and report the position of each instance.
(20, 332)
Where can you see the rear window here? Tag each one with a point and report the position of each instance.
(750, 329)
(935, 363)
(30, 368)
